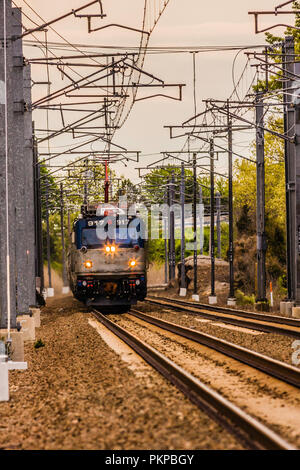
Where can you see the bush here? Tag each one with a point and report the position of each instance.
(282, 285)
(243, 299)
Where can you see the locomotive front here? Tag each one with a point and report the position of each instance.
(107, 259)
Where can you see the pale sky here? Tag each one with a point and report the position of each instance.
(184, 23)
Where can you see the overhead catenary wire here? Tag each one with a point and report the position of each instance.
(149, 16)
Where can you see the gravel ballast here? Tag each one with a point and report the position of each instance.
(78, 393)
(272, 401)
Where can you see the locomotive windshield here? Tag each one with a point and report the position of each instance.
(90, 239)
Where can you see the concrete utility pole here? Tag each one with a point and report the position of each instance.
(166, 231)
(182, 201)
(39, 263)
(290, 166)
(69, 223)
(195, 294)
(172, 229)
(291, 70)
(20, 168)
(107, 186)
(296, 239)
(29, 189)
(218, 204)
(65, 289)
(50, 290)
(169, 227)
(260, 202)
(212, 298)
(7, 160)
(231, 299)
(201, 217)
(85, 200)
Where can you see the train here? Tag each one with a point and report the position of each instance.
(107, 258)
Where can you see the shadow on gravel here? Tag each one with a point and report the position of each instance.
(113, 310)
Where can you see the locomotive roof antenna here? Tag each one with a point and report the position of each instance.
(8, 299)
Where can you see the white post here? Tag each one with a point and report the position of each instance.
(4, 388)
(271, 295)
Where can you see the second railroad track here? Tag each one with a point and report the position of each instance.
(255, 321)
(251, 432)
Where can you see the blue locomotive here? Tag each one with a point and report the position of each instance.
(107, 258)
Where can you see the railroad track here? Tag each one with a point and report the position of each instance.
(247, 429)
(255, 321)
(278, 369)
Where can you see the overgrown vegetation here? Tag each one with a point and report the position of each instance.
(243, 299)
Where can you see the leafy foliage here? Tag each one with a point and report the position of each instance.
(275, 81)
(157, 180)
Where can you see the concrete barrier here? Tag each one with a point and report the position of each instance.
(4, 387)
(283, 309)
(17, 365)
(36, 313)
(5, 366)
(50, 292)
(212, 300)
(296, 312)
(231, 302)
(17, 344)
(182, 292)
(27, 323)
(286, 308)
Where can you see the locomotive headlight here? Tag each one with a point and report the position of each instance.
(110, 249)
(132, 263)
(88, 264)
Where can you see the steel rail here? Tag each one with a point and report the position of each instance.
(259, 322)
(277, 369)
(247, 429)
(240, 313)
